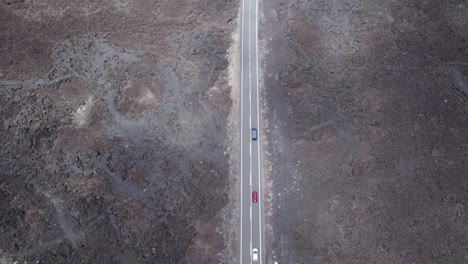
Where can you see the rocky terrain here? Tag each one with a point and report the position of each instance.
(113, 134)
(367, 129)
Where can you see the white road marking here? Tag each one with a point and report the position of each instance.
(258, 142)
(250, 131)
(250, 69)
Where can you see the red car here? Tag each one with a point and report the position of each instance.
(254, 196)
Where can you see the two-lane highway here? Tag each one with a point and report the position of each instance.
(251, 213)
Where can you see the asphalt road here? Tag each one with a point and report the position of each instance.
(251, 217)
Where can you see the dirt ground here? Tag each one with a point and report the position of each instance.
(113, 136)
(367, 130)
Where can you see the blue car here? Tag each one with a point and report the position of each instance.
(254, 134)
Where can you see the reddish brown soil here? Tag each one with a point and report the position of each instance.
(370, 146)
(112, 131)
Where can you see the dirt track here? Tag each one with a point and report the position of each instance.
(114, 125)
(367, 110)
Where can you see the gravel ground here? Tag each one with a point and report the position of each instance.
(367, 109)
(114, 123)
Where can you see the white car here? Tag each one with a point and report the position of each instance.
(255, 254)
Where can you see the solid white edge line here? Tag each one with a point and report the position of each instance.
(258, 143)
(250, 121)
(242, 120)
